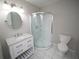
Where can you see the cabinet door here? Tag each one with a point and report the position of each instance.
(18, 48)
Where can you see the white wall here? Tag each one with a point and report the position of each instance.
(5, 31)
(66, 20)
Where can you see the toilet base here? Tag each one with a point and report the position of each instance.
(62, 48)
(61, 53)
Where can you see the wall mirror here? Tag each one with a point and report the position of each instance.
(14, 20)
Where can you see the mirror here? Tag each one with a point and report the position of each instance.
(14, 20)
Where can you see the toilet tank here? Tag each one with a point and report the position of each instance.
(65, 38)
(20, 47)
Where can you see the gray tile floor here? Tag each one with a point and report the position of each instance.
(52, 53)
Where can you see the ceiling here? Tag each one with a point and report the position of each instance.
(42, 3)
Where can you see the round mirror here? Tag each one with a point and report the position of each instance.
(14, 20)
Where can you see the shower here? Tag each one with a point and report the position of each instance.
(41, 29)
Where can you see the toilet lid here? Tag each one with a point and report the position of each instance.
(62, 47)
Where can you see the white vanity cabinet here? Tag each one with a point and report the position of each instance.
(20, 47)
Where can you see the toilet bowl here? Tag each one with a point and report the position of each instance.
(62, 46)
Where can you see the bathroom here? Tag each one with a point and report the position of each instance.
(65, 21)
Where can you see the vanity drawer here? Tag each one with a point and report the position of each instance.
(28, 44)
(18, 48)
(22, 46)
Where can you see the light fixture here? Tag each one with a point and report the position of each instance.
(6, 6)
(21, 10)
(12, 7)
(16, 9)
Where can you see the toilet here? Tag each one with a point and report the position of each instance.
(62, 46)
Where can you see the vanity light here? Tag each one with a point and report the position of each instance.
(6, 6)
(16, 9)
(12, 7)
(21, 10)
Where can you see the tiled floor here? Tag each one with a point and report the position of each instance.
(51, 53)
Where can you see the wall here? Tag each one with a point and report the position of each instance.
(78, 30)
(5, 31)
(66, 20)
